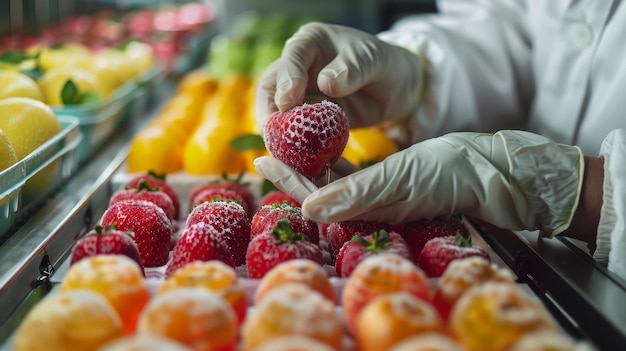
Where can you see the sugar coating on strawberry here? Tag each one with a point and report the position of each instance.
(439, 252)
(158, 181)
(231, 223)
(417, 233)
(277, 197)
(150, 225)
(339, 233)
(359, 247)
(199, 242)
(144, 191)
(216, 193)
(309, 138)
(106, 241)
(277, 245)
(267, 217)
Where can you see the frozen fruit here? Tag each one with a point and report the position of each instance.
(199, 242)
(145, 192)
(547, 341)
(216, 193)
(139, 342)
(360, 247)
(391, 318)
(230, 222)
(293, 343)
(417, 233)
(495, 315)
(117, 278)
(277, 197)
(106, 241)
(439, 252)
(152, 229)
(428, 341)
(276, 245)
(76, 320)
(302, 271)
(267, 217)
(309, 138)
(292, 310)
(215, 276)
(378, 275)
(339, 233)
(158, 181)
(237, 185)
(461, 275)
(194, 317)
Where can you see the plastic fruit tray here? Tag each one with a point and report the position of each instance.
(56, 160)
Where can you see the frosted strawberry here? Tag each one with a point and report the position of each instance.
(149, 223)
(106, 241)
(309, 138)
(199, 242)
(361, 247)
(439, 252)
(158, 181)
(210, 193)
(144, 191)
(230, 222)
(277, 245)
(277, 197)
(267, 217)
(234, 184)
(417, 233)
(339, 233)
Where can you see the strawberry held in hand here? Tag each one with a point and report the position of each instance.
(309, 138)
(106, 241)
(360, 247)
(439, 252)
(276, 245)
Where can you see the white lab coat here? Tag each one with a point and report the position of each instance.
(554, 67)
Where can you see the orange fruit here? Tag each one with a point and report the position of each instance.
(192, 316)
(461, 275)
(292, 309)
(547, 341)
(156, 148)
(391, 318)
(116, 277)
(377, 275)
(296, 271)
(140, 342)
(215, 276)
(495, 315)
(294, 343)
(367, 146)
(428, 341)
(74, 320)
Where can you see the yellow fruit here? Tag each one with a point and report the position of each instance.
(156, 149)
(52, 83)
(118, 61)
(199, 83)
(141, 57)
(109, 79)
(208, 151)
(68, 55)
(367, 146)
(7, 153)
(16, 84)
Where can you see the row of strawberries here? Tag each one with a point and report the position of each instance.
(226, 223)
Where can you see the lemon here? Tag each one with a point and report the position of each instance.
(117, 60)
(367, 146)
(53, 81)
(109, 79)
(16, 84)
(141, 57)
(8, 157)
(67, 55)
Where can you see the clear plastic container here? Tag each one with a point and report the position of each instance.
(26, 184)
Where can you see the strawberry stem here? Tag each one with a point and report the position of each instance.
(461, 241)
(379, 241)
(284, 233)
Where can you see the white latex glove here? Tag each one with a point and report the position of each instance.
(373, 81)
(513, 179)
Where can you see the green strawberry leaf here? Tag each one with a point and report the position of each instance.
(89, 98)
(248, 142)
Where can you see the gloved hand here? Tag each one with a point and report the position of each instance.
(513, 179)
(373, 81)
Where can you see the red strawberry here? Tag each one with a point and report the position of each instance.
(277, 197)
(214, 192)
(158, 181)
(309, 138)
(417, 233)
(277, 245)
(230, 221)
(235, 184)
(439, 252)
(199, 242)
(106, 241)
(152, 228)
(267, 217)
(360, 247)
(339, 233)
(144, 191)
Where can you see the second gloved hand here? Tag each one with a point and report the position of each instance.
(513, 179)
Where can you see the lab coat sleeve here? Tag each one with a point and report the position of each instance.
(478, 66)
(611, 239)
